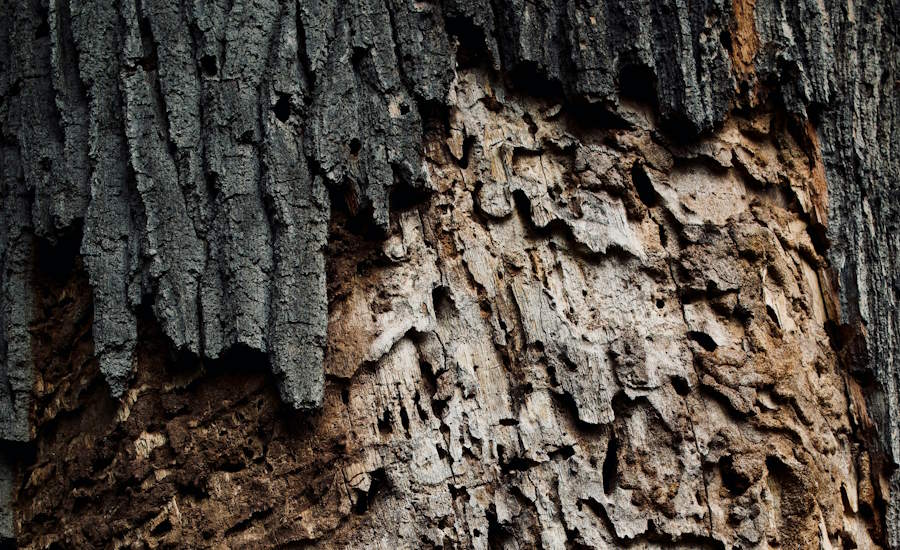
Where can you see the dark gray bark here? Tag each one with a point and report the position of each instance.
(198, 146)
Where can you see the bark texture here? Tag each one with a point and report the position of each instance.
(534, 273)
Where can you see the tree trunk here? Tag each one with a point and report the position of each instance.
(463, 273)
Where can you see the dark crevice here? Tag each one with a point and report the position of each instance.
(529, 76)
(637, 82)
(643, 185)
(680, 385)
(404, 420)
(302, 54)
(405, 197)
(385, 423)
(468, 142)
(43, 28)
(471, 43)
(563, 453)
(705, 340)
(443, 302)
(248, 522)
(735, 481)
(241, 358)
(162, 527)
(514, 463)
(457, 491)
(420, 409)
(611, 465)
(282, 107)
(209, 65)
(354, 146)
(429, 379)
(773, 315)
(57, 260)
(149, 62)
(818, 235)
(498, 535)
(377, 484)
(356, 219)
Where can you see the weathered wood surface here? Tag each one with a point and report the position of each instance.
(736, 163)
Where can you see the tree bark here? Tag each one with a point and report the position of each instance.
(450, 274)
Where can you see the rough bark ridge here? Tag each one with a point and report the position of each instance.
(192, 147)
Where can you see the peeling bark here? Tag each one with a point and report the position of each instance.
(523, 274)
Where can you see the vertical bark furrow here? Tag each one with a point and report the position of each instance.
(299, 205)
(423, 48)
(72, 103)
(112, 235)
(16, 248)
(43, 161)
(16, 243)
(861, 152)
